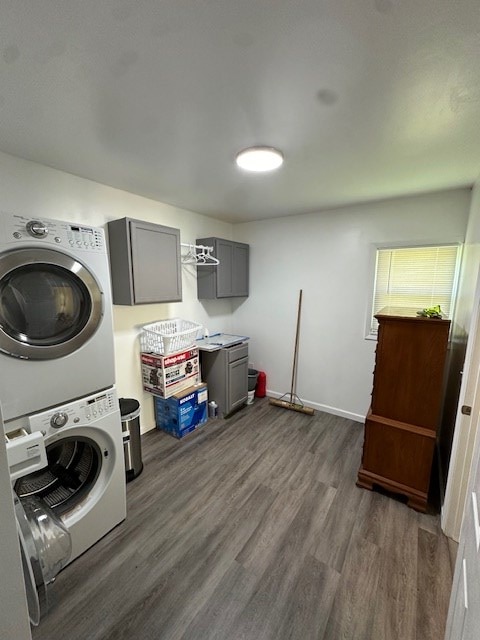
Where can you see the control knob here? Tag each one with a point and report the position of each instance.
(37, 229)
(59, 419)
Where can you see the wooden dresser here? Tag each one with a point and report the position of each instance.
(401, 425)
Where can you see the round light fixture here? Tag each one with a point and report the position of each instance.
(259, 159)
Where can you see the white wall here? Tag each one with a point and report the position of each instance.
(329, 256)
(36, 190)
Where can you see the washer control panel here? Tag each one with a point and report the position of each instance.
(99, 406)
(78, 413)
(18, 228)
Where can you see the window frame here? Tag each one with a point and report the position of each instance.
(375, 247)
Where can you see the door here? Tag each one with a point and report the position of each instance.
(464, 614)
(50, 304)
(237, 390)
(465, 431)
(232, 272)
(45, 548)
(240, 269)
(155, 263)
(224, 253)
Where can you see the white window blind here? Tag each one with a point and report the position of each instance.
(416, 277)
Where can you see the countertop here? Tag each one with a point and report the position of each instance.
(218, 341)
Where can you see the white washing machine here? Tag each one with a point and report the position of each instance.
(83, 481)
(56, 333)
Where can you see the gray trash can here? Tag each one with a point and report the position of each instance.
(132, 446)
(252, 383)
(252, 379)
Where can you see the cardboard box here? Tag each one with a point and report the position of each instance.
(182, 413)
(166, 375)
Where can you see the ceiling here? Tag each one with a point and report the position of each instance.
(367, 99)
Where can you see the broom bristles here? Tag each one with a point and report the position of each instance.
(293, 406)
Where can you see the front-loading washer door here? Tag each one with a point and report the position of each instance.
(74, 465)
(45, 548)
(50, 304)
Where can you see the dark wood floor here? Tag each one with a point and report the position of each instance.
(253, 528)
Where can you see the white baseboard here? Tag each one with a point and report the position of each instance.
(323, 407)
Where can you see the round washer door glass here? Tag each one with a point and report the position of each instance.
(50, 304)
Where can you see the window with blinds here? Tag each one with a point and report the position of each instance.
(415, 277)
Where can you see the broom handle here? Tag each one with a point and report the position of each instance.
(295, 353)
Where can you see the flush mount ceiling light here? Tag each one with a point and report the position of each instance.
(259, 159)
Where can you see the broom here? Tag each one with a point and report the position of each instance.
(294, 403)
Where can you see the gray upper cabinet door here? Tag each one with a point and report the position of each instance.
(144, 262)
(240, 259)
(228, 279)
(224, 252)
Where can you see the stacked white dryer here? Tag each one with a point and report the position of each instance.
(57, 374)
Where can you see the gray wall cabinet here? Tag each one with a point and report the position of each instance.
(226, 373)
(230, 278)
(144, 262)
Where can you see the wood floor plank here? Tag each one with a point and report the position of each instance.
(372, 521)
(262, 548)
(171, 603)
(351, 617)
(306, 614)
(434, 583)
(224, 605)
(263, 614)
(252, 528)
(294, 454)
(395, 612)
(342, 457)
(263, 544)
(331, 547)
